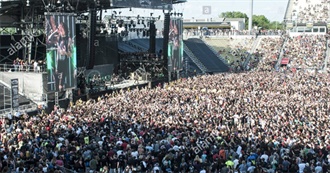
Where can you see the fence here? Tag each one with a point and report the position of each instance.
(22, 68)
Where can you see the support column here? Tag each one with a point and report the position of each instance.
(167, 19)
(91, 37)
(152, 40)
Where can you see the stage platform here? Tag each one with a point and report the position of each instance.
(30, 84)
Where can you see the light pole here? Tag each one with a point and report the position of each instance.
(251, 15)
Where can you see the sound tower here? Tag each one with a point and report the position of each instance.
(152, 40)
(91, 37)
(167, 19)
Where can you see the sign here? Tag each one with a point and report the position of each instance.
(289, 25)
(207, 10)
(309, 25)
(14, 94)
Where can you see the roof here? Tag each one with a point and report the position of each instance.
(14, 11)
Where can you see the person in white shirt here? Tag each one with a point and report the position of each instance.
(264, 157)
(35, 66)
(318, 168)
(301, 167)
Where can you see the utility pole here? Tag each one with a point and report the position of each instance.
(251, 15)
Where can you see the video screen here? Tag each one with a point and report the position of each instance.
(61, 51)
(151, 4)
(175, 45)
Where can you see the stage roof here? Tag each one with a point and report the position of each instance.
(14, 13)
(15, 7)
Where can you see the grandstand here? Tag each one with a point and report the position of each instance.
(233, 49)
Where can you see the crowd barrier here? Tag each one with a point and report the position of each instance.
(22, 68)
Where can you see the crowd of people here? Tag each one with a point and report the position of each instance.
(229, 32)
(247, 122)
(267, 53)
(306, 51)
(20, 65)
(310, 11)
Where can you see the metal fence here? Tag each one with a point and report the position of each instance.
(22, 68)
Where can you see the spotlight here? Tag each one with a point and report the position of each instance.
(28, 3)
(58, 1)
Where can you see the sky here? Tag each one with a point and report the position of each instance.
(273, 9)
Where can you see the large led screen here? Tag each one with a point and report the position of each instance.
(175, 45)
(61, 51)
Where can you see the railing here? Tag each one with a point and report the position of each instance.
(22, 68)
(253, 48)
(195, 59)
(327, 54)
(279, 61)
(23, 108)
(135, 46)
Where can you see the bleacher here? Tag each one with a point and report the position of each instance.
(232, 48)
(306, 51)
(269, 50)
(309, 10)
(206, 56)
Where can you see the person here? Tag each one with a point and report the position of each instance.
(64, 53)
(136, 78)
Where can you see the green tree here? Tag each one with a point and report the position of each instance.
(235, 14)
(260, 21)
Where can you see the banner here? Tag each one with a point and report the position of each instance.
(61, 51)
(309, 24)
(151, 4)
(14, 94)
(175, 45)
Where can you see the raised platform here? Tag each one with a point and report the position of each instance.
(31, 85)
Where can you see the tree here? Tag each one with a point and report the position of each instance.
(235, 14)
(260, 21)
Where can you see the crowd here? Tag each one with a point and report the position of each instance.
(24, 66)
(268, 52)
(311, 11)
(228, 32)
(247, 122)
(306, 51)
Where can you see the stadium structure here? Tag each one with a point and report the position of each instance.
(113, 52)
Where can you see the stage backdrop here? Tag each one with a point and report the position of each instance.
(175, 45)
(61, 51)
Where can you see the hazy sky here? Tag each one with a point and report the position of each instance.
(273, 9)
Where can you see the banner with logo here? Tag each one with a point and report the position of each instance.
(14, 94)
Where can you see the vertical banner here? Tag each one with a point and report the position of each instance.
(61, 51)
(175, 45)
(14, 94)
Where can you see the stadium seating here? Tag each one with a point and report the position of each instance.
(206, 55)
